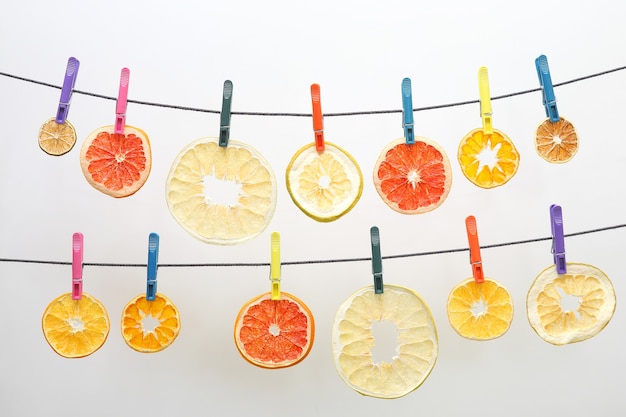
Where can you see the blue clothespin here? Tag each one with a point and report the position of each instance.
(407, 112)
(153, 261)
(227, 97)
(549, 100)
(558, 239)
(377, 261)
(71, 72)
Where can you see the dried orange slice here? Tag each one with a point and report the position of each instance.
(150, 326)
(556, 142)
(353, 340)
(221, 195)
(75, 328)
(488, 161)
(571, 307)
(324, 185)
(116, 164)
(57, 138)
(480, 311)
(274, 333)
(413, 179)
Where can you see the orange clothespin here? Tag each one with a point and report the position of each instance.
(318, 120)
(474, 248)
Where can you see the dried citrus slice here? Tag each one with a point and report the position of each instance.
(116, 164)
(150, 326)
(75, 328)
(480, 311)
(274, 333)
(413, 179)
(324, 185)
(221, 195)
(570, 307)
(353, 340)
(57, 138)
(488, 160)
(556, 142)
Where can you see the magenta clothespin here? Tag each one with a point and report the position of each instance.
(558, 238)
(71, 71)
(77, 266)
(122, 100)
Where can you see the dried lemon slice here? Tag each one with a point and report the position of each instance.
(150, 326)
(57, 138)
(556, 142)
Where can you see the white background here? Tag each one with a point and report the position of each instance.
(358, 51)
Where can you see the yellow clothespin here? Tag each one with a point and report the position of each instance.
(485, 100)
(275, 266)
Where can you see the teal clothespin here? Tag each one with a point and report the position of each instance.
(227, 97)
(153, 261)
(377, 261)
(407, 111)
(547, 89)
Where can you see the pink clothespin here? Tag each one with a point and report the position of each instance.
(318, 120)
(122, 99)
(474, 247)
(77, 266)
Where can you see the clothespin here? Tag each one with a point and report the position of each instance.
(153, 263)
(558, 238)
(474, 247)
(318, 119)
(71, 72)
(77, 266)
(407, 111)
(485, 100)
(227, 96)
(122, 101)
(547, 90)
(377, 260)
(275, 265)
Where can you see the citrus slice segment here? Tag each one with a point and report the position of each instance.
(488, 161)
(274, 333)
(480, 311)
(57, 138)
(571, 307)
(413, 179)
(116, 164)
(556, 142)
(353, 339)
(324, 185)
(221, 195)
(75, 328)
(150, 326)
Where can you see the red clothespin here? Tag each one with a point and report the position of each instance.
(474, 247)
(122, 100)
(77, 266)
(318, 123)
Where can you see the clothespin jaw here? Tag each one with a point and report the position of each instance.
(122, 101)
(474, 247)
(547, 89)
(77, 266)
(485, 100)
(558, 238)
(227, 97)
(318, 119)
(71, 72)
(377, 260)
(275, 265)
(153, 264)
(407, 112)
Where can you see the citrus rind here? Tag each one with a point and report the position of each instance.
(556, 142)
(57, 138)
(161, 310)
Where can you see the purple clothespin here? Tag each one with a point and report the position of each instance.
(558, 238)
(71, 71)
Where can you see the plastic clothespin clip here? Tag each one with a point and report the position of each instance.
(558, 238)
(275, 266)
(318, 119)
(407, 111)
(474, 248)
(122, 101)
(547, 90)
(71, 71)
(77, 266)
(227, 97)
(485, 100)
(153, 264)
(377, 260)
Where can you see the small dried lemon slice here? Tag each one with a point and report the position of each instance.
(57, 138)
(556, 142)
(150, 326)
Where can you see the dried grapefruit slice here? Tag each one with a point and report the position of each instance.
(274, 333)
(488, 161)
(324, 185)
(57, 138)
(221, 195)
(556, 142)
(571, 307)
(413, 179)
(116, 164)
(352, 341)
(75, 328)
(480, 311)
(150, 326)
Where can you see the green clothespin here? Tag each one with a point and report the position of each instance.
(377, 261)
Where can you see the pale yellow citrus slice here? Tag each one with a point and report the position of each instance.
(221, 195)
(353, 340)
(570, 307)
(150, 326)
(556, 142)
(75, 328)
(324, 185)
(57, 138)
(480, 311)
